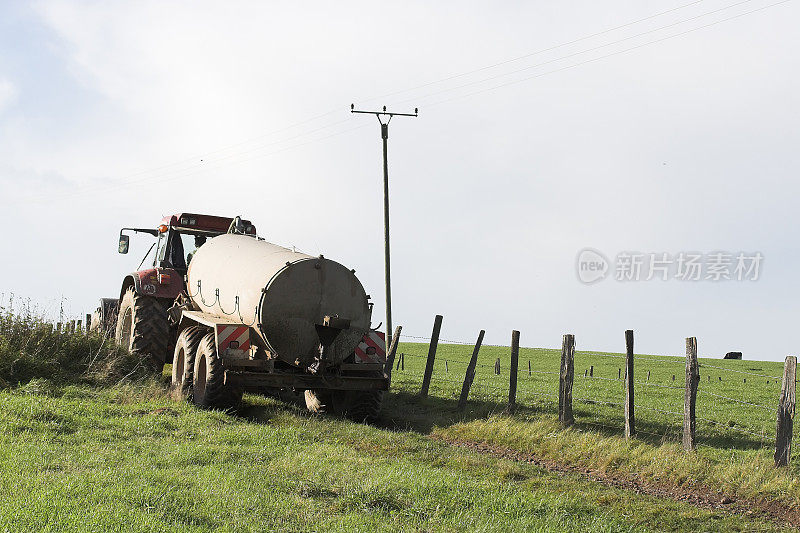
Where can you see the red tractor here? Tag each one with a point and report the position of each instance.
(232, 312)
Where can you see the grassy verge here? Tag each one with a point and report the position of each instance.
(31, 349)
(735, 451)
(87, 443)
(127, 458)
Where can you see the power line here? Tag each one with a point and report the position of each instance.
(514, 82)
(537, 52)
(124, 182)
(581, 52)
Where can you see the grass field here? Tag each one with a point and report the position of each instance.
(87, 443)
(736, 412)
(128, 458)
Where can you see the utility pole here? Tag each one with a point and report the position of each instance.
(387, 268)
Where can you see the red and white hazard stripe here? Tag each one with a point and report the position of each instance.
(226, 334)
(372, 348)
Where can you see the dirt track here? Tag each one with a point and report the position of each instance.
(699, 495)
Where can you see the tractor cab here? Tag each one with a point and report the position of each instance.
(160, 278)
(162, 271)
(179, 236)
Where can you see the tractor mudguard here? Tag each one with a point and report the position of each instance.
(156, 282)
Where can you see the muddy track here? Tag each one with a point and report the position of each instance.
(699, 496)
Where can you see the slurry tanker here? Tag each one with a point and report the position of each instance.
(232, 313)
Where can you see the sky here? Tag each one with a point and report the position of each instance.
(545, 128)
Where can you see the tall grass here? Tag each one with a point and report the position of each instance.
(32, 349)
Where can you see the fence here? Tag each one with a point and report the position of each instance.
(658, 396)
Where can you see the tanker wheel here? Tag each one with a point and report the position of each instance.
(364, 406)
(183, 360)
(359, 406)
(143, 329)
(209, 388)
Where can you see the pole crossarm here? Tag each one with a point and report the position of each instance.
(384, 112)
(387, 262)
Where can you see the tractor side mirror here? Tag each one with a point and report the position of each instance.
(124, 242)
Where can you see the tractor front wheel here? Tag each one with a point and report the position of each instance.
(143, 329)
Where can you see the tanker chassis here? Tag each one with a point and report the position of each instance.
(240, 314)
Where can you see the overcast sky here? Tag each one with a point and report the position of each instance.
(544, 128)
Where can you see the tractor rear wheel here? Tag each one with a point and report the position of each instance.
(143, 329)
(209, 388)
(183, 360)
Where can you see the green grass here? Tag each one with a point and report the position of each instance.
(88, 443)
(128, 458)
(736, 443)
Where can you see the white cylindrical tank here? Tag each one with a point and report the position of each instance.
(282, 294)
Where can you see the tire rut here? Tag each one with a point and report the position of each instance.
(699, 496)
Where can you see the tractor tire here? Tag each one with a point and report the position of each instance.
(183, 360)
(143, 329)
(209, 389)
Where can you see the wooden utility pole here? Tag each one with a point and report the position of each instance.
(387, 263)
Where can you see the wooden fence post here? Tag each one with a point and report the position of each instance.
(470, 375)
(512, 371)
(591, 371)
(71, 327)
(426, 379)
(58, 327)
(529, 368)
(565, 382)
(783, 441)
(497, 366)
(88, 322)
(690, 396)
(79, 327)
(630, 419)
(387, 368)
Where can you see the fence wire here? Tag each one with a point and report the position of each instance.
(724, 414)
